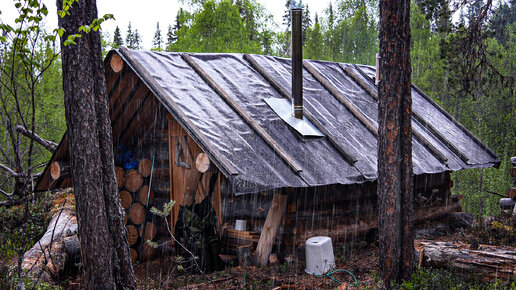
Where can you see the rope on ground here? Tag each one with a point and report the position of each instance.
(329, 274)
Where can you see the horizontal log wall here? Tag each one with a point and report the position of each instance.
(342, 212)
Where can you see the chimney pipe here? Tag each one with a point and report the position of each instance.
(297, 64)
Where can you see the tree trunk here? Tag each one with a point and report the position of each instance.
(106, 263)
(395, 196)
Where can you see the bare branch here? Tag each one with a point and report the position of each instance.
(10, 202)
(49, 145)
(14, 174)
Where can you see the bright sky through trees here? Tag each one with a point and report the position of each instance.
(144, 15)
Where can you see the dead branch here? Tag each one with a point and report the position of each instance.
(49, 145)
(13, 174)
(10, 202)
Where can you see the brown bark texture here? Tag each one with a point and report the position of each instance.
(105, 256)
(484, 263)
(395, 197)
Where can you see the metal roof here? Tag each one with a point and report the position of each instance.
(219, 101)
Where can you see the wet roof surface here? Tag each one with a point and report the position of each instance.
(253, 163)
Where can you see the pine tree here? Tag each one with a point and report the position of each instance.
(157, 41)
(105, 263)
(117, 38)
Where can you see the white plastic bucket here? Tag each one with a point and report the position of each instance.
(319, 255)
(240, 225)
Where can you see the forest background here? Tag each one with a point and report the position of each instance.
(463, 56)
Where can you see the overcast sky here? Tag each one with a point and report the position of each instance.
(143, 15)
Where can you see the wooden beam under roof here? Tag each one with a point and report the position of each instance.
(243, 114)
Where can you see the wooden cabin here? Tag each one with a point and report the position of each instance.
(204, 115)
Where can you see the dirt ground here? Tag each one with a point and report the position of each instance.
(360, 259)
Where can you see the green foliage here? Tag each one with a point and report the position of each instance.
(217, 27)
(429, 278)
(117, 38)
(167, 208)
(14, 228)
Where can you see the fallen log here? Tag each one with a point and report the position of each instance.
(486, 263)
(49, 256)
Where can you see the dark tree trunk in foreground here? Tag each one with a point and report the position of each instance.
(395, 180)
(105, 256)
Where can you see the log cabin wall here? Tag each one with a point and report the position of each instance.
(188, 182)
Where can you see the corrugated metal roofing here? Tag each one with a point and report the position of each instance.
(234, 131)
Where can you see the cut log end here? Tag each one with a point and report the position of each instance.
(120, 176)
(133, 180)
(145, 167)
(125, 198)
(511, 192)
(134, 255)
(202, 162)
(132, 235)
(59, 169)
(148, 252)
(150, 231)
(143, 193)
(137, 213)
(116, 63)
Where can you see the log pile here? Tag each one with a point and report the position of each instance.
(134, 192)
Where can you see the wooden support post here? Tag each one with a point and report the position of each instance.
(271, 227)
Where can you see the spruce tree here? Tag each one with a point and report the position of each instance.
(137, 39)
(117, 38)
(129, 38)
(307, 22)
(171, 38)
(157, 41)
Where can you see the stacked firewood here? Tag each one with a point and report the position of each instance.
(137, 199)
(509, 202)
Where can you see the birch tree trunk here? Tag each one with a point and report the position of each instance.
(395, 175)
(106, 262)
